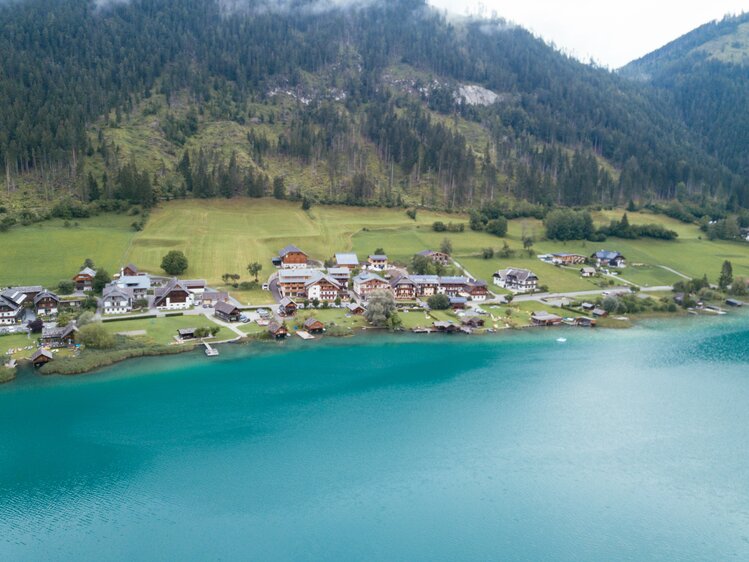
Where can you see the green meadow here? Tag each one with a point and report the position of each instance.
(222, 236)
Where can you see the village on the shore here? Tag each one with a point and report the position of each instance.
(448, 298)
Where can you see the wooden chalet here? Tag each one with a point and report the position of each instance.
(478, 291)
(516, 280)
(458, 303)
(378, 262)
(291, 257)
(472, 321)
(324, 288)
(227, 312)
(341, 275)
(116, 300)
(587, 271)
(41, 357)
(186, 333)
(567, 259)
(356, 308)
(347, 260)
(607, 258)
(173, 296)
(545, 319)
(277, 330)
(584, 322)
(130, 271)
(404, 288)
(314, 326)
(437, 257)
(367, 283)
(287, 307)
(446, 327)
(292, 282)
(84, 280)
(56, 336)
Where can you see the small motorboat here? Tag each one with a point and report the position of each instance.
(561, 340)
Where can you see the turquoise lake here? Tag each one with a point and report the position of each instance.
(616, 445)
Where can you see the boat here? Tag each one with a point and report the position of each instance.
(561, 340)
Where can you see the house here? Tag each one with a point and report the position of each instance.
(404, 288)
(11, 306)
(608, 258)
(454, 286)
(116, 300)
(186, 333)
(588, 272)
(588, 306)
(130, 271)
(173, 296)
(356, 308)
(41, 357)
(472, 320)
(437, 257)
(314, 326)
(46, 303)
(227, 312)
(342, 275)
(292, 282)
(84, 281)
(426, 285)
(446, 327)
(324, 288)
(567, 259)
(195, 286)
(478, 290)
(277, 330)
(291, 257)
(599, 312)
(378, 262)
(458, 303)
(543, 318)
(350, 261)
(367, 283)
(584, 322)
(56, 336)
(516, 280)
(287, 306)
(138, 285)
(30, 291)
(210, 298)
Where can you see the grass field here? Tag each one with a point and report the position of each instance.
(47, 252)
(16, 341)
(163, 330)
(222, 236)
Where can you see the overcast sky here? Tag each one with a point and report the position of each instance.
(612, 33)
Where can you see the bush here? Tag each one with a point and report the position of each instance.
(65, 287)
(96, 336)
(497, 227)
(411, 213)
(439, 302)
(439, 226)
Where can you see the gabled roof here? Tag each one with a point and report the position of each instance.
(521, 275)
(366, 276)
(28, 289)
(342, 271)
(13, 296)
(295, 275)
(142, 282)
(58, 332)
(430, 253)
(309, 322)
(402, 280)
(131, 267)
(378, 257)
(42, 353)
(544, 316)
(225, 308)
(355, 306)
(46, 295)
(290, 249)
(459, 280)
(87, 271)
(274, 326)
(173, 285)
(321, 277)
(286, 301)
(113, 291)
(347, 259)
(607, 255)
(425, 279)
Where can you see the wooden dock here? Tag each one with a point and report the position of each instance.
(305, 335)
(210, 351)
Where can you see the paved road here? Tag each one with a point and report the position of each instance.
(574, 294)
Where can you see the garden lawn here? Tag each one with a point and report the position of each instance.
(47, 252)
(163, 330)
(16, 341)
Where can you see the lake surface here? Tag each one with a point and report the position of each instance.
(616, 445)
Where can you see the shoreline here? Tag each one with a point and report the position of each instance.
(104, 359)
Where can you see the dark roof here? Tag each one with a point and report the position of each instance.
(113, 290)
(186, 331)
(289, 249)
(607, 255)
(131, 267)
(311, 321)
(42, 353)
(173, 285)
(58, 332)
(46, 295)
(225, 308)
(286, 301)
(274, 327)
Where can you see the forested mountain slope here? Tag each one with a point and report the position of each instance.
(375, 102)
(705, 75)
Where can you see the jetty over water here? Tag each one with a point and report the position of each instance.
(210, 351)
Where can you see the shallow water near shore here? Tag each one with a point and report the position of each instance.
(615, 445)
